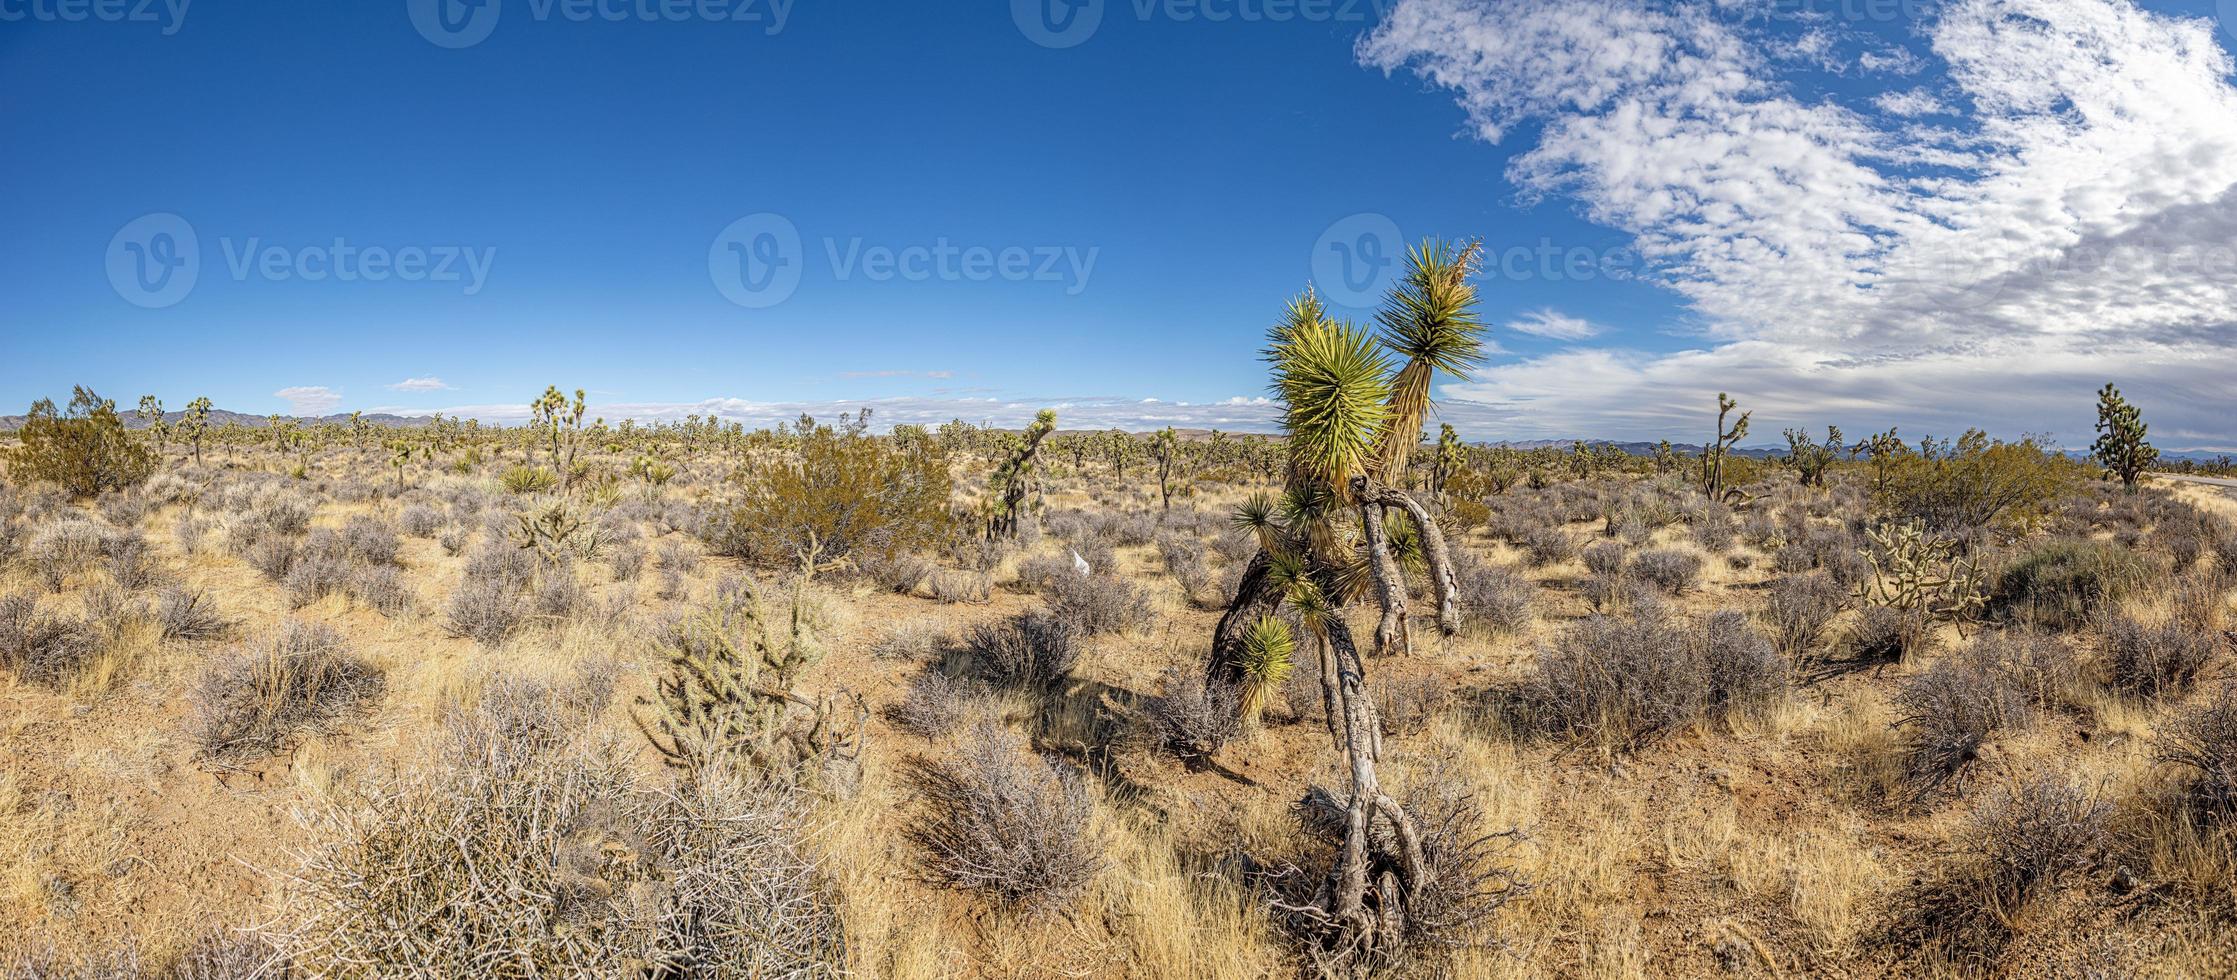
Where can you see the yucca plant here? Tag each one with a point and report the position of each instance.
(1267, 649)
(1354, 402)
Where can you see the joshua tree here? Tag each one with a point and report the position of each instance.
(1165, 450)
(159, 430)
(1354, 403)
(2120, 444)
(562, 425)
(1713, 454)
(1810, 460)
(1451, 455)
(1882, 448)
(1017, 477)
(195, 424)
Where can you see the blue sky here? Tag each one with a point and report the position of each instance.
(1157, 190)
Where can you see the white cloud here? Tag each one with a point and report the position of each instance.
(1916, 102)
(1553, 325)
(2072, 222)
(1076, 412)
(309, 400)
(420, 384)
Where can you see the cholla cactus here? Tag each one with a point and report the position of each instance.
(1017, 478)
(1922, 575)
(727, 698)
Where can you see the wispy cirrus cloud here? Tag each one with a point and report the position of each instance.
(1553, 325)
(927, 375)
(429, 383)
(2049, 202)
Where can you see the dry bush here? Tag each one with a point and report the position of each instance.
(2060, 583)
(961, 586)
(846, 495)
(998, 819)
(1948, 712)
(1667, 569)
(1497, 600)
(627, 561)
(420, 521)
(1627, 681)
(254, 699)
(2041, 667)
(1185, 561)
(1887, 633)
(2155, 661)
(936, 704)
(1407, 705)
(125, 557)
(185, 614)
(381, 587)
(41, 647)
(1604, 559)
(2201, 600)
(63, 547)
(1548, 545)
(911, 639)
(1029, 652)
(1799, 609)
(2202, 744)
(1191, 717)
(1097, 604)
(370, 540)
(900, 572)
(536, 857)
(2027, 840)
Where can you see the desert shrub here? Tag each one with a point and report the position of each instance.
(371, 540)
(484, 611)
(420, 521)
(515, 858)
(911, 639)
(1548, 546)
(84, 449)
(1191, 717)
(185, 614)
(1604, 559)
(320, 567)
(1887, 633)
(254, 699)
(286, 513)
(1496, 599)
(41, 647)
(999, 820)
(1627, 681)
(125, 557)
(1027, 652)
(64, 547)
(2154, 661)
(1406, 705)
(1948, 712)
(1976, 482)
(125, 509)
(2061, 583)
(454, 540)
(2201, 744)
(188, 532)
(2030, 836)
(936, 704)
(2201, 600)
(899, 572)
(678, 557)
(2041, 667)
(961, 586)
(846, 495)
(1185, 561)
(1097, 604)
(1667, 569)
(1799, 608)
(627, 561)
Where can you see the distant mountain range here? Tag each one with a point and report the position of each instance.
(219, 418)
